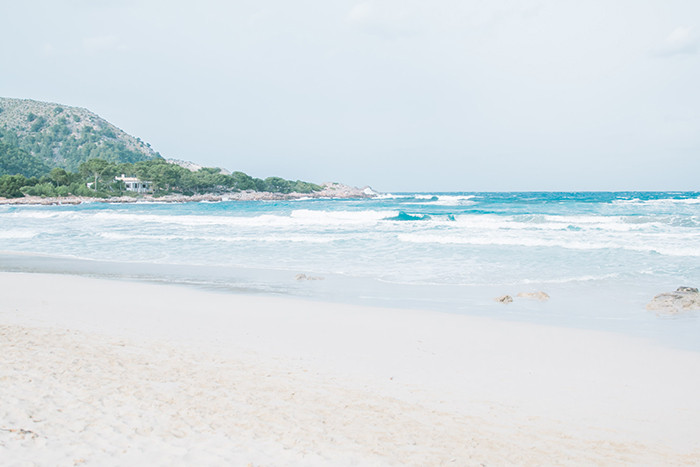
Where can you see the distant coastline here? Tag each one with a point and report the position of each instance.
(57, 154)
(329, 190)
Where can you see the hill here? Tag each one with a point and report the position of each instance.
(52, 150)
(56, 135)
(14, 160)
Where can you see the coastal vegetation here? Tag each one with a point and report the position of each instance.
(14, 160)
(96, 178)
(51, 150)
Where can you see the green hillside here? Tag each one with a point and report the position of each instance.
(46, 135)
(54, 150)
(14, 160)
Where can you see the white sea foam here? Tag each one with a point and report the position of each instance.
(441, 200)
(567, 280)
(299, 217)
(405, 237)
(430, 198)
(230, 239)
(392, 196)
(454, 200)
(573, 244)
(548, 222)
(341, 217)
(329, 218)
(35, 214)
(17, 234)
(657, 202)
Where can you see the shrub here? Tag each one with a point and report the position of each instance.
(11, 186)
(40, 189)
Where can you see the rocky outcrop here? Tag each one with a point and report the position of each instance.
(330, 190)
(304, 277)
(683, 299)
(48, 201)
(504, 299)
(541, 296)
(338, 190)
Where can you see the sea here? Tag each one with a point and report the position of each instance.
(601, 257)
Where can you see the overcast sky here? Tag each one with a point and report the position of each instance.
(401, 95)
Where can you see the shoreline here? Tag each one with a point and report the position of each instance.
(176, 372)
(329, 191)
(675, 331)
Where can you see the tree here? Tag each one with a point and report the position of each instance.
(14, 160)
(60, 177)
(96, 168)
(278, 185)
(242, 181)
(38, 124)
(10, 186)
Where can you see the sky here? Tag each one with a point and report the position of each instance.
(401, 95)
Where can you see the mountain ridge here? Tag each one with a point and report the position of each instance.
(65, 136)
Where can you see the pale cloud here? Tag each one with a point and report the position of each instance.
(100, 44)
(681, 41)
(396, 18)
(457, 81)
(514, 10)
(48, 49)
(361, 12)
(386, 18)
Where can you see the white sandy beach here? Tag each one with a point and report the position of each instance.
(100, 372)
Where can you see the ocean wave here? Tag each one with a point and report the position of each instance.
(341, 217)
(299, 217)
(458, 281)
(624, 244)
(546, 222)
(392, 196)
(229, 239)
(583, 222)
(567, 280)
(309, 218)
(656, 202)
(403, 216)
(32, 214)
(454, 200)
(17, 234)
(306, 218)
(442, 200)
(430, 198)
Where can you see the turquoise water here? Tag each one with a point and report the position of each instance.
(600, 256)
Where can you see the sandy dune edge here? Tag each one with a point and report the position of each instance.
(114, 389)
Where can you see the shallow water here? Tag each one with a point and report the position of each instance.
(600, 256)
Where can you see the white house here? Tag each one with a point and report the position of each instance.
(134, 184)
